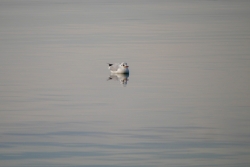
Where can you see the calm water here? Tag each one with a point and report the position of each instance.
(185, 103)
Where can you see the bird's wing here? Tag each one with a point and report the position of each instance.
(114, 67)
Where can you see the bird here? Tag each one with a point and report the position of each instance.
(119, 68)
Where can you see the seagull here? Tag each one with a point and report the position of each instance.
(119, 68)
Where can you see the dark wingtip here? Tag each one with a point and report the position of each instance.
(110, 64)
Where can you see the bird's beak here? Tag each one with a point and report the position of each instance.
(126, 66)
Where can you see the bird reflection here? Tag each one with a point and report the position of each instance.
(123, 78)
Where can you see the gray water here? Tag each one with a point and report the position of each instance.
(185, 103)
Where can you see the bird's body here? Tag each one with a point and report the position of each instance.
(118, 68)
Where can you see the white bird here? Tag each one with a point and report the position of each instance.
(119, 68)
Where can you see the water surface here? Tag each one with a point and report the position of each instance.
(185, 102)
